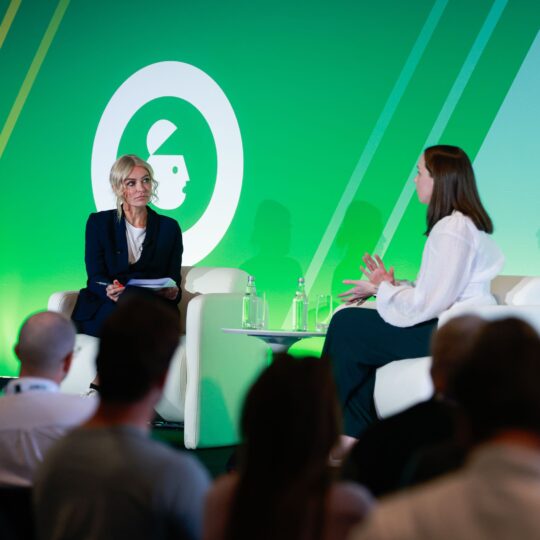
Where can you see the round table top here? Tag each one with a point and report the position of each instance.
(278, 340)
(274, 333)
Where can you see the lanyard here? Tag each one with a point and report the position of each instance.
(30, 384)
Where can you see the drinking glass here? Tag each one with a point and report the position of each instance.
(324, 312)
(262, 312)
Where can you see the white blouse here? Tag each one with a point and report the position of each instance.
(458, 264)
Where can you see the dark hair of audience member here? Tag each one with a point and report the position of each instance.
(450, 346)
(498, 385)
(289, 424)
(136, 346)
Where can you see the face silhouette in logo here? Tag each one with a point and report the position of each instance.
(190, 84)
(170, 170)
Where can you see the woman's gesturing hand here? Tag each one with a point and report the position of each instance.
(376, 273)
(375, 270)
(362, 289)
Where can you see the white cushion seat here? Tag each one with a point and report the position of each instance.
(403, 383)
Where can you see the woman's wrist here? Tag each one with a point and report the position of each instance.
(380, 283)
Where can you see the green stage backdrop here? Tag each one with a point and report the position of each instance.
(284, 134)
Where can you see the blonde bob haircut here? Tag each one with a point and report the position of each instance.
(121, 170)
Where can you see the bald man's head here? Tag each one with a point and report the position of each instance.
(46, 340)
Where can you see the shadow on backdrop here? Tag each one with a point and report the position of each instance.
(358, 234)
(276, 273)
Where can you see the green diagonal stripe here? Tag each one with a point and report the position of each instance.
(32, 74)
(442, 120)
(8, 20)
(374, 140)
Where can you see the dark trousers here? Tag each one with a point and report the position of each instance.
(92, 325)
(358, 342)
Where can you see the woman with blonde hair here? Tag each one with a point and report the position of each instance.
(131, 242)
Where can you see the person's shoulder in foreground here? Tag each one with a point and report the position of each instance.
(410, 515)
(33, 412)
(394, 451)
(348, 503)
(117, 482)
(497, 494)
(382, 453)
(29, 424)
(109, 479)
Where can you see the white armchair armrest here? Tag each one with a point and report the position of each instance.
(204, 280)
(63, 302)
(530, 314)
(525, 293)
(220, 369)
(402, 383)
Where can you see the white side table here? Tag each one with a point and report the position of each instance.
(278, 340)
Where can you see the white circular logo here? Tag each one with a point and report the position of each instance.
(183, 81)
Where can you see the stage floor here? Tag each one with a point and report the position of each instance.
(214, 459)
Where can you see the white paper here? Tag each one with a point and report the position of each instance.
(159, 283)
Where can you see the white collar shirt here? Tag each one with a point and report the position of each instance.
(33, 415)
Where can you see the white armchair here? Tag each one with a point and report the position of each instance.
(210, 372)
(403, 383)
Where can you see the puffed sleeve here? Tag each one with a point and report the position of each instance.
(444, 273)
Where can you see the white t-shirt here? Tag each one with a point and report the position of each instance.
(135, 238)
(33, 416)
(458, 264)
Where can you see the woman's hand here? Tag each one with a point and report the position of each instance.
(376, 273)
(362, 289)
(114, 290)
(375, 270)
(170, 293)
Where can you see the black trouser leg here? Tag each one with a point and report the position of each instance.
(358, 342)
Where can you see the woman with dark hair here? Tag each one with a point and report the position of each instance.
(459, 262)
(284, 488)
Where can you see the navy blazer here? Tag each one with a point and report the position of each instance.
(106, 258)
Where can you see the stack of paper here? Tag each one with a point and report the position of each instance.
(159, 283)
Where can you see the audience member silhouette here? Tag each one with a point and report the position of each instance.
(284, 488)
(109, 479)
(382, 457)
(497, 494)
(33, 413)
